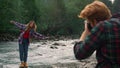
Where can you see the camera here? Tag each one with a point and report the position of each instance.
(88, 25)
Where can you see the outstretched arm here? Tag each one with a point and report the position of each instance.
(19, 25)
(38, 35)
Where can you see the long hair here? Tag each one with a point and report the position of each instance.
(96, 10)
(34, 27)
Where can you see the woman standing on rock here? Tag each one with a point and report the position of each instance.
(27, 31)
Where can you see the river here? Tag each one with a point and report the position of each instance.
(44, 54)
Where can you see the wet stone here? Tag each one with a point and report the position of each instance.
(38, 45)
(53, 47)
(58, 44)
(40, 54)
(63, 45)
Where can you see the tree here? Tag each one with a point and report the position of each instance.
(116, 6)
(51, 16)
(109, 4)
(10, 10)
(73, 9)
(59, 16)
(31, 12)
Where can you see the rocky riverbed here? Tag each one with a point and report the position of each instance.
(44, 54)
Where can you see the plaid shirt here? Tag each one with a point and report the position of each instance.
(105, 40)
(22, 27)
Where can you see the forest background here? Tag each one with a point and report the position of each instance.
(53, 17)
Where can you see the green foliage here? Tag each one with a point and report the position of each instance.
(5, 14)
(116, 6)
(54, 17)
(108, 3)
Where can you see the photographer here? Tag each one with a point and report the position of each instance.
(101, 34)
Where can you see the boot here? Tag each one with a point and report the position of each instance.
(25, 65)
(22, 65)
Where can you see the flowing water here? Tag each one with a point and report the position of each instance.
(44, 54)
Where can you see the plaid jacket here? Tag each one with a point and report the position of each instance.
(105, 40)
(22, 27)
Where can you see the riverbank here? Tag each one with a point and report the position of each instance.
(7, 37)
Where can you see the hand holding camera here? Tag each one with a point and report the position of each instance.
(88, 26)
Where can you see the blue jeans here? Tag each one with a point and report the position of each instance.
(23, 50)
